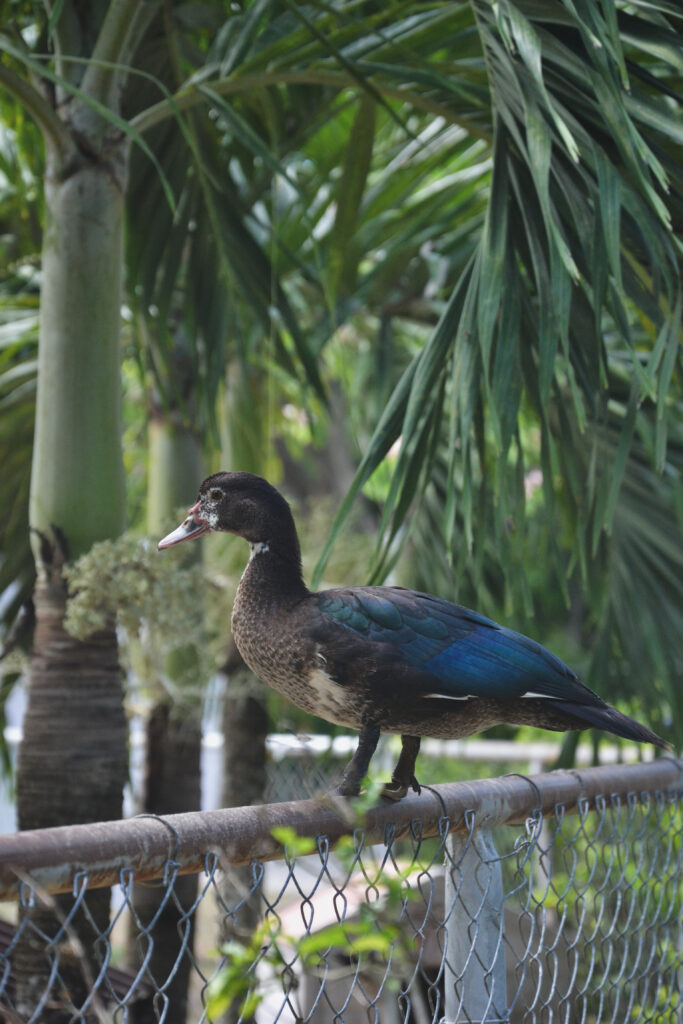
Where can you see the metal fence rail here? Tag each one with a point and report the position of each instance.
(557, 897)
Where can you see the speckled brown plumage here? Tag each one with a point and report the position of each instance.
(382, 659)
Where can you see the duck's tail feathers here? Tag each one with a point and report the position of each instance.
(611, 720)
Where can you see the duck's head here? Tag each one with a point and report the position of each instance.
(239, 503)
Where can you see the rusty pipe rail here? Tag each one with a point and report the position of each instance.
(52, 859)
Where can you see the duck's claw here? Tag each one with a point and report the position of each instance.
(398, 788)
(394, 791)
(348, 787)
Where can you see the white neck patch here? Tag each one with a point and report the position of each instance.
(259, 548)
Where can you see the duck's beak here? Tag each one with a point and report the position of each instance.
(192, 527)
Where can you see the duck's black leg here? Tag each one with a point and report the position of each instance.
(357, 768)
(403, 777)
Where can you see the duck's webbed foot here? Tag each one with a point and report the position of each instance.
(403, 777)
(357, 768)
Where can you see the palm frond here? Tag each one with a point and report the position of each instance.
(18, 365)
(578, 232)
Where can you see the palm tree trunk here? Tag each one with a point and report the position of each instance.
(245, 728)
(245, 441)
(77, 480)
(64, 776)
(172, 785)
(71, 769)
(73, 759)
(173, 764)
(245, 717)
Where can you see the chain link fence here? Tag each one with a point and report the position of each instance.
(550, 898)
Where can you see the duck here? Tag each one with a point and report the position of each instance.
(382, 659)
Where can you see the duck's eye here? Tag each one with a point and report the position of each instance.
(215, 494)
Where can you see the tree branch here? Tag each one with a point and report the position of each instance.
(192, 94)
(40, 110)
(124, 25)
(65, 36)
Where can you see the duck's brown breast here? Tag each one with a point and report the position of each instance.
(270, 638)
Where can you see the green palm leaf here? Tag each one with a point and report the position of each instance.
(578, 227)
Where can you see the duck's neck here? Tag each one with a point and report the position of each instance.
(275, 568)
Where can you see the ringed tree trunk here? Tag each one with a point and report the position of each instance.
(72, 767)
(173, 761)
(245, 432)
(245, 440)
(72, 762)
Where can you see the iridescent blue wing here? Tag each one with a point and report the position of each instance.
(466, 653)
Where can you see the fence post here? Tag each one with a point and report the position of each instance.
(474, 962)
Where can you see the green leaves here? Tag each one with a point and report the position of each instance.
(343, 255)
(639, 615)
(486, 196)
(565, 317)
(18, 347)
(366, 925)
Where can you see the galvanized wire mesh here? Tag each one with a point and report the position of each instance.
(568, 917)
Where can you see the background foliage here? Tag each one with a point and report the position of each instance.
(441, 239)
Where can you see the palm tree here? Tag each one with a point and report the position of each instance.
(565, 114)
(558, 347)
(72, 763)
(173, 751)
